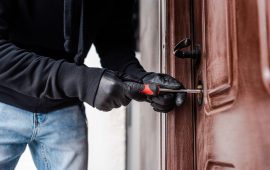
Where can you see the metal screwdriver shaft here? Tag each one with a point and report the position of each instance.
(153, 90)
(181, 90)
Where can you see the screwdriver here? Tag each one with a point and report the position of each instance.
(153, 90)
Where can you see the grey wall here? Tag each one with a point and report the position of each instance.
(143, 145)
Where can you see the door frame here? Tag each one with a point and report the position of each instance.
(180, 143)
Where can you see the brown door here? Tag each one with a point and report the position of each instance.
(180, 126)
(230, 128)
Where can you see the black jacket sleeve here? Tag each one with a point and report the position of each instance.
(114, 41)
(39, 76)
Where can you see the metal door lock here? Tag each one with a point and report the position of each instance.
(194, 54)
(200, 95)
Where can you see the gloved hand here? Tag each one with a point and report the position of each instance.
(117, 89)
(164, 102)
(113, 92)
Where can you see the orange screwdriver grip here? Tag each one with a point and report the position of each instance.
(150, 90)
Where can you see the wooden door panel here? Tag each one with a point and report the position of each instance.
(264, 25)
(179, 122)
(220, 73)
(232, 127)
(215, 30)
(214, 165)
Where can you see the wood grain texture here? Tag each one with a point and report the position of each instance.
(232, 126)
(179, 122)
(235, 137)
(264, 26)
(215, 165)
(220, 55)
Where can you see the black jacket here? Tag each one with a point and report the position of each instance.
(43, 44)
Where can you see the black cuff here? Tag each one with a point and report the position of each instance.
(136, 70)
(79, 81)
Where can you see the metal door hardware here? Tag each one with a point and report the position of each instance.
(200, 95)
(194, 54)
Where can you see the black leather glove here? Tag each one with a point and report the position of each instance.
(115, 90)
(164, 102)
(118, 89)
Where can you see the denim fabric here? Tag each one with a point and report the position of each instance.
(57, 140)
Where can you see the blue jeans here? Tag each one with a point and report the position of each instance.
(57, 140)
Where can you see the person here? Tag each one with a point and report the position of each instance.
(43, 81)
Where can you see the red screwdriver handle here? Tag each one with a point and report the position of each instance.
(150, 90)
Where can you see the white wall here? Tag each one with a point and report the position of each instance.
(107, 135)
(144, 131)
